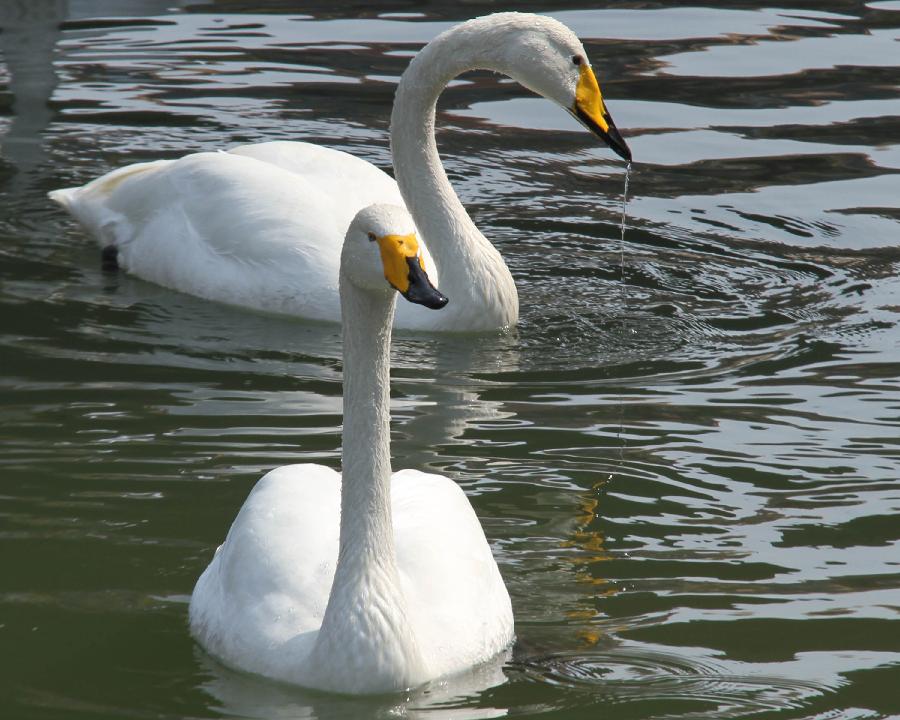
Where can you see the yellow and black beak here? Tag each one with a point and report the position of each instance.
(591, 111)
(404, 269)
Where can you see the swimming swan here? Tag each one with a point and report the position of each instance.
(261, 225)
(370, 582)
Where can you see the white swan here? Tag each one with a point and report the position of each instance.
(369, 582)
(261, 225)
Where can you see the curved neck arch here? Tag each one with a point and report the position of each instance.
(472, 272)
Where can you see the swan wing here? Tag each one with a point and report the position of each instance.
(457, 598)
(260, 602)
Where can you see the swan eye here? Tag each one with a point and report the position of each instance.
(372, 237)
(576, 59)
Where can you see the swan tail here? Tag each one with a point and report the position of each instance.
(63, 197)
(96, 207)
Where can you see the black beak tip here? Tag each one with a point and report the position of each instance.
(618, 145)
(429, 297)
(420, 290)
(436, 301)
(616, 142)
(612, 137)
(623, 151)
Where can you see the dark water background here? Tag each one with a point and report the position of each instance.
(687, 465)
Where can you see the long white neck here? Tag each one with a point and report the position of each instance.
(365, 634)
(471, 271)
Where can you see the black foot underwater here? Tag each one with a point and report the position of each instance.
(109, 259)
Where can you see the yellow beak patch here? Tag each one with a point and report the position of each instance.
(395, 251)
(588, 99)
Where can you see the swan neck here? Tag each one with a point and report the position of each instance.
(467, 263)
(365, 633)
(366, 536)
(417, 164)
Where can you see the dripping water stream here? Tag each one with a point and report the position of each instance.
(622, 235)
(623, 298)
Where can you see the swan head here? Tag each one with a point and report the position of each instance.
(381, 251)
(548, 58)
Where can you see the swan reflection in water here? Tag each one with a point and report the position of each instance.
(249, 696)
(31, 30)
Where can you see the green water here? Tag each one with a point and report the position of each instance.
(687, 466)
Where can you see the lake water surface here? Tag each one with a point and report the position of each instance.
(686, 457)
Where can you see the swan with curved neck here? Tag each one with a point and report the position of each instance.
(363, 582)
(261, 225)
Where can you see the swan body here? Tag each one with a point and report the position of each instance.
(261, 226)
(367, 581)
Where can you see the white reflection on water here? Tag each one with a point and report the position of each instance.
(450, 698)
(27, 47)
